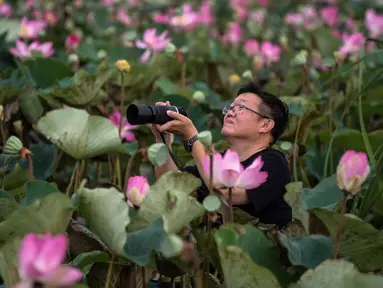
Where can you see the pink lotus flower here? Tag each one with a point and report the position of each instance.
(240, 8)
(263, 3)
(229, 172)
(258, 16)
(152, 43)
(30, 29)
(329, 15)
(6, 9)
(123, 17)
(294, 19)
(161, 18)
(352, 43)
(352, 171)
(233, 34)
(51, 18)
(251, 47)
(40, 259)
(374, 23)
(137, 189)
(22, 50)
(188, 20)
(126, 126)
(270, 52)
(107, 3)
(72, 42)
(205, 13)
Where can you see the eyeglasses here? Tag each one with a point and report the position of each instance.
(238, 108)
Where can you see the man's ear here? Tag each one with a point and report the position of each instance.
(267, 126)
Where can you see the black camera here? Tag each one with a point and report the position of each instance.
(143, 114)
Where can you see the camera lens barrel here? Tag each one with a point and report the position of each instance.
(143, 114)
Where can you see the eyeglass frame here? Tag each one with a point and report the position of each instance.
(245, 107)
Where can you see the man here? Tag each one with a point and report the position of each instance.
(252, 123)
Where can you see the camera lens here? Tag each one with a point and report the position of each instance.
(139, 114)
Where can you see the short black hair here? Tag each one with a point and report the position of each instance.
(275, 108)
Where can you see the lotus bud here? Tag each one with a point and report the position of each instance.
(258, 62)
(352, 171)
(158, 154)
(170, 49)
(122, 65)
(18, 126)
(13, 146)
(234, 79)
(73, 58)
(199, 97)
(247, 74)
(205, 137)
(137, 189)
(101, 54)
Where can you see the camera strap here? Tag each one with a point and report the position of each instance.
(170, 152)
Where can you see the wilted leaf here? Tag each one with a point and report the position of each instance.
(107, 214)
(156, 204)
(85, 261)
(338, 273)
(360, 242)
(79, 134)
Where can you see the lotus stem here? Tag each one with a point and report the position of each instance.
(67, 192)
(211, 171)
(79, 173)
(31, 177)
(127, 172)
(122, 97)
(110, 270)
(3, 180)
(231, 216)
(134, 276)
(117, 172)
(143, 271)
(2, 132)
(340, 225)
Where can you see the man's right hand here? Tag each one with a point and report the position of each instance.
(169, 137)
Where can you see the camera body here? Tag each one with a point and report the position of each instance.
(143, 114)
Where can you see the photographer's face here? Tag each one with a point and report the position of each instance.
(245, 119)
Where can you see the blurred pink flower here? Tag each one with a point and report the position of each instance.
(329, 15)
(29, 3)
(263, 3)
(270, 52)
(126, 132)
(251, 47)
(152, 43)
(258, 16)
(30, 29)
(107, 3)
(205, 13)
(40, 258)
(233, 34)
(137, 189)
(187, 20)
(22, 50)
(72, 42)
(350, 24)
(351, 43)
(161, 18)
(352, 171)
(294, 19)
(374, 23)
(134, 3)
(229, 172)
(123, 16)
(78, 3)
(240, 8)
(6, 9)
(50, 17)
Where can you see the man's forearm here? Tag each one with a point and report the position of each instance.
(168, 166)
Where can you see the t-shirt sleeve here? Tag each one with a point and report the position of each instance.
(274, 188)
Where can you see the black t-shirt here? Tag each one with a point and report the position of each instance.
(266, 201)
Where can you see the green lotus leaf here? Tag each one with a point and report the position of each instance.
(79, 134)
(11, 87)
(81, 89)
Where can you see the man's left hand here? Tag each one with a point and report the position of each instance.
(181, 125)
(238, 195)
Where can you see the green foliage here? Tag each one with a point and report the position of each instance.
(85, 260)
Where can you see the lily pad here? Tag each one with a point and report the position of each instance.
(107, 214)
(211, 203)
(175, 185)
(308, 251)
(79, 134)
(360, 242)
(50, 214)
(35, 190)
(7, 207)
(81, 89)
(158, 154)
(338, 273)
(11, 87)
